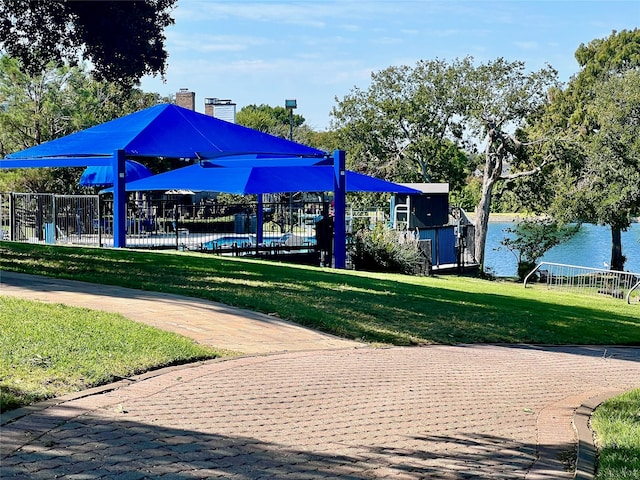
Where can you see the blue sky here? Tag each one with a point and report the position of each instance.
(266, 51)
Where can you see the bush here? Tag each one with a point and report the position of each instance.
(533, 237)
(384, 250)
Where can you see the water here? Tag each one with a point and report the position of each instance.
(590, 247)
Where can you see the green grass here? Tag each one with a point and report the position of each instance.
(616, 424)
(386, 308)
(50, 350)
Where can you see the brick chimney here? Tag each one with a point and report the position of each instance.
(186, 99)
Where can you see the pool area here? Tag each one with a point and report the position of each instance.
(249, 240)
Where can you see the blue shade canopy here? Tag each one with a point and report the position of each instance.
(265, 161)
(164, 130)
(259, 179)
(102, 176)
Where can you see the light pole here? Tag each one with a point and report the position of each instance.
(290, 105)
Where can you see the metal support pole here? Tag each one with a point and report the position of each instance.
(340, 201)
(119, 200)
(259, 221)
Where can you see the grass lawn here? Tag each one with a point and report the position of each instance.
(50, 350)
(386, 308)
(617, 427)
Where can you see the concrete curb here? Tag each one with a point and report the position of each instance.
(587, 452)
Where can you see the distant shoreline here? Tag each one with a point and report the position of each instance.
(512, 217)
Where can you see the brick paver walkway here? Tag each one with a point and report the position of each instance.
(442, 412)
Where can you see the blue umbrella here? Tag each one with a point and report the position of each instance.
(103, 176)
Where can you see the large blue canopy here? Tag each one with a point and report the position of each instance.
(164, 130)
(245, 180)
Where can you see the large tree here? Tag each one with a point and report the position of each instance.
(502, 96)
(413, 124)
(605, 188)
(124, 40)
(55, 103)
(407, 125)
(599, 183)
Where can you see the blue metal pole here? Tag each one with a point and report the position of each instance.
(119, 200)
(259, 221)
(340, 206)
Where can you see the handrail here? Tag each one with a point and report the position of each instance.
(636, 286)
(620, 274)
(532, 272)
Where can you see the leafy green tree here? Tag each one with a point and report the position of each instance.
(413, 124)
(532, 238)
(55, 103)
(271, 120)
(123, 40)
(502, 97)
(606, 189)
(599, 181)
(407, 126)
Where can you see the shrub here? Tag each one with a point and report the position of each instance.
(381, 249)
(533, 238)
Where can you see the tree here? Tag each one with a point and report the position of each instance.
(502, 97)
(55, 103)
(413, 124)
(271, 120)
(599, 183)
(606, 188)
(533, 237)
(407, 125)
(123, 40)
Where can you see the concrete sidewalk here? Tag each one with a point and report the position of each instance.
(209, 323)
(443, 412)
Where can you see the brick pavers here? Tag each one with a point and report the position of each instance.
(431, 412)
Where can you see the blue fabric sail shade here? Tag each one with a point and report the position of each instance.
(164, 130)
(262, 179)
(102, 176)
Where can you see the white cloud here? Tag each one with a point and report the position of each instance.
(530, 45)
(204, 43)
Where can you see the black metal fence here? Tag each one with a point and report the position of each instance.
(48, 218)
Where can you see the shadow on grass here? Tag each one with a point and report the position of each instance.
(353, 306)
(93, 446)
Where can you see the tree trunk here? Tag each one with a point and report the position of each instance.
(617, 258)
(482, 221)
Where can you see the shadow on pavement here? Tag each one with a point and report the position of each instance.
(94, 446)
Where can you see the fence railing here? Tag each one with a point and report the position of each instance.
(587, 280)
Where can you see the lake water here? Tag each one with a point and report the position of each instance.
(590, 247)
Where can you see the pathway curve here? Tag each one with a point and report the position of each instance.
(209, 323)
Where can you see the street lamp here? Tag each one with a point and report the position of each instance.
(290, 105)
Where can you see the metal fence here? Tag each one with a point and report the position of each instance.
(153, 222)
(161, 223)
(48, 218)
(593, 281)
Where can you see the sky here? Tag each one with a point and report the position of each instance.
(314, 51)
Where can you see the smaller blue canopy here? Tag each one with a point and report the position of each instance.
(262, 179)
(102, 176)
